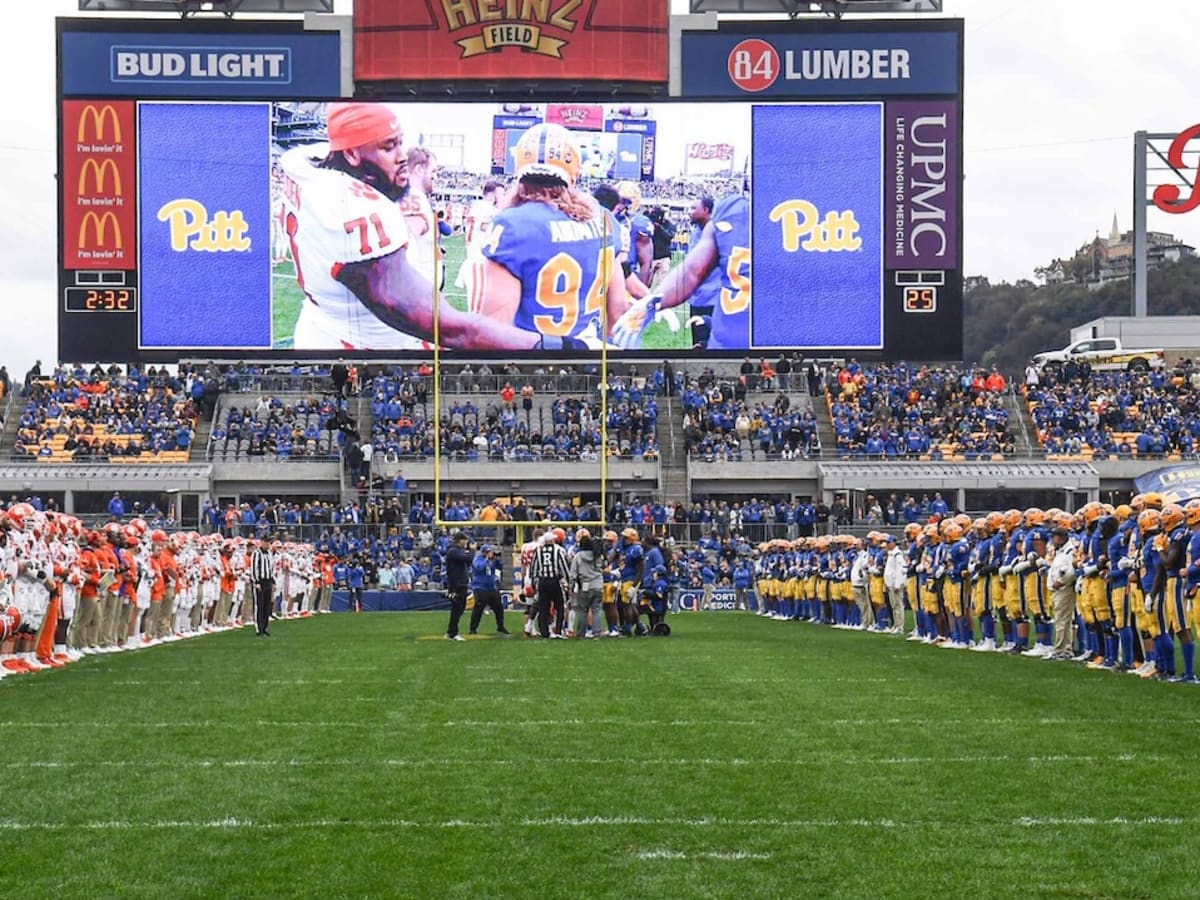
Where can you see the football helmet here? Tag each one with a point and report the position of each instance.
(549, 151)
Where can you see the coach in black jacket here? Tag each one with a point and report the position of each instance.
(458, 576)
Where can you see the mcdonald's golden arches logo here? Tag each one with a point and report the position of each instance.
(100, 172)
(99, 118)
(99, 223)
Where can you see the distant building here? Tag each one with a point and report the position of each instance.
(1102, 260)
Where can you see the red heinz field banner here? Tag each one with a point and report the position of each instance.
(576, 40)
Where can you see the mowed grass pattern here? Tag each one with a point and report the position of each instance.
(287, 299)
(363, 756)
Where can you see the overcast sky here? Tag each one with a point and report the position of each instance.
(1055, 90)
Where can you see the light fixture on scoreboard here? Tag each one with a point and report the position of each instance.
(920, 289)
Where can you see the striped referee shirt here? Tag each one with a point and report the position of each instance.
(262, 567)
(550, 562)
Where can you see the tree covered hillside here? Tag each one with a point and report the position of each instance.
(1005, 324)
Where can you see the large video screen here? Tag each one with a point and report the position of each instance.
(310, 228)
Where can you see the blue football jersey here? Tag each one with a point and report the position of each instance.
(704, 298)
(563, 266)
(731, 315)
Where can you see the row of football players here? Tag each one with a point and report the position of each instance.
(66, 591)
(1123, 601)
(619, 585)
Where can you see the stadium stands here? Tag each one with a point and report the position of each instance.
(277, 429)
(135, 416)
(924, 413)
(1123, 415)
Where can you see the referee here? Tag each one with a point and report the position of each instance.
(550, 572)
(262, 574)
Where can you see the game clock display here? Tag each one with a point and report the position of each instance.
(101, 299)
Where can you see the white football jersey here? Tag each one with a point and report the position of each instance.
(334, 219)
(477, 226)
(422, 224)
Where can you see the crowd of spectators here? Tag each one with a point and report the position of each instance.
(526, 418)
(922, 412)
(306, 427)
(75, 414)
(1120, 414)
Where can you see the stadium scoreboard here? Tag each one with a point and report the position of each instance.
(841, 140)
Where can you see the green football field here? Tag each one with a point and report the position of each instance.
(287, 298)
(364, 756)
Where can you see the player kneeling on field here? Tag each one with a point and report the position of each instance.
(653, 603)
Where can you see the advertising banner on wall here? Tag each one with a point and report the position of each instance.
(822, 59)
(173, 59)
(893, 266)
(453, 40)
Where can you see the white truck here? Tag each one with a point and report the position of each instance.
(1103, 354)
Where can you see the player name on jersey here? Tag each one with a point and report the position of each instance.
(570, 232)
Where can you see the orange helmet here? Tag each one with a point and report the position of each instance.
(559, 535)
(1012, 519)
(931, 533)
(1122, 512)
(911, 530)
(1091, 512)
(610, 536)
(952, 531)
(1153, 500)
(630, 534)
(994, 521)
(158, 536)
(980, 526)
(1172, 517)
(1034, 517)
(1191, 512)
(1149, 521)
(963, 520)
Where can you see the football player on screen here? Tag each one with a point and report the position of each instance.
(723, 246)
(350, 241)
(477, 226)
(551, 255)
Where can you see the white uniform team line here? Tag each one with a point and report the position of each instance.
(67, 592)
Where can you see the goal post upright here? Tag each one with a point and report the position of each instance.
(606, 272)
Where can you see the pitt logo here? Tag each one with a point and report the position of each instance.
(98, 224)
(99, 118)
(836, 232)
(191, 228)
(510, 23)
(1168, 197)
(100, 172)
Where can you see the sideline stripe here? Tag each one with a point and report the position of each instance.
(433, 762)
(774, 725)
(584, 822)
